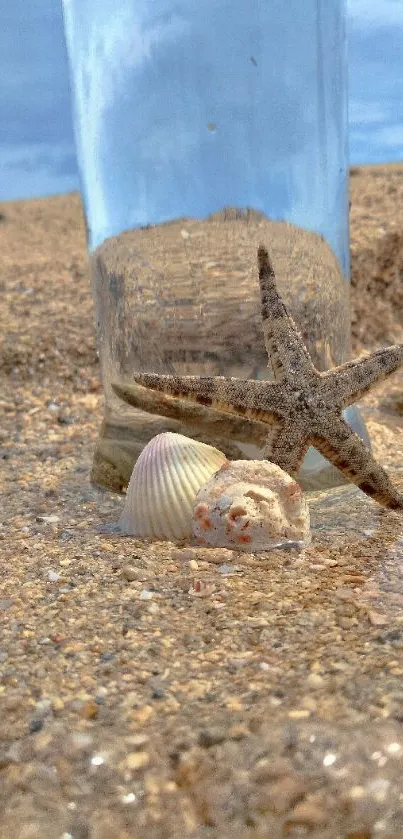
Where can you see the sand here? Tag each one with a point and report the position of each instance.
(152, 690)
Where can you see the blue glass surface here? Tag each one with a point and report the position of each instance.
(36, 133)
(183, 108)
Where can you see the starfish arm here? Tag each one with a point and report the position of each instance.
(352, 380)
(339, 444)
(285, 347)
(258, 400)
(216, 423)
(286, 445)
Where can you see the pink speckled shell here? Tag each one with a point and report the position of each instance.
(250, 506)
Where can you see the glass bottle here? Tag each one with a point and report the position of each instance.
(203, 129)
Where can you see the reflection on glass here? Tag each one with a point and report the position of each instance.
(201, 128)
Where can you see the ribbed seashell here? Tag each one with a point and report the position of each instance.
(165, 481)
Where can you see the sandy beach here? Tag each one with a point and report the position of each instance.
(161, 691)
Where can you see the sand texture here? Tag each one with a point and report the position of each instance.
(153, 690)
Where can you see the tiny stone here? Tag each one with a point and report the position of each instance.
(5, 760)
(286, 792)
(238, 732)
(315, 680)
(137, 740)
(130, 573)
(299, 714)
(80, 740)
(268, 769)
(90, 710)
(185, 555)
(158, 693)
(102, 691)
(108, 656)
(35, 725)
(194, 565)
(307, 815)
(43, 708)
(227, 570)
(48, 519)
(376, 618)
(137, 760)
(211, 736)
(65, 419)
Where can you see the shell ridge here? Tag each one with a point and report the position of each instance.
(177, 482)
(169, 505)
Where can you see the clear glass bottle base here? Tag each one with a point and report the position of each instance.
(121, 440)
(183, 298)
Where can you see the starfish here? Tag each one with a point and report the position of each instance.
(301, 406)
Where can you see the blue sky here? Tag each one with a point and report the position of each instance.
(37, 154)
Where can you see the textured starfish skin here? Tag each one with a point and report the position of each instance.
(302, 406)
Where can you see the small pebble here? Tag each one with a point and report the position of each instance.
(201, 589)
(299, 714)
(211, 736)
(53, 407)
(48, 519)
(227, 570)
(286, 792)
(306, 815)
(137, 740)
(90, 710)
(137, 760)
(158, 693)
(130, 573)
(376, 618)
(35, 725)
(315, 680)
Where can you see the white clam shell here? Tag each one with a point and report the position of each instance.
(165, 481)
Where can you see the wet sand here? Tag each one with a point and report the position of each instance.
(152, 690)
